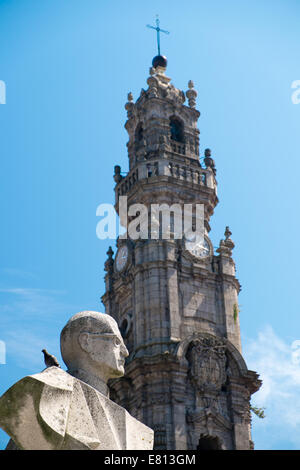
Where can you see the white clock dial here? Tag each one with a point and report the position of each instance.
(198, 249)
(121, 258)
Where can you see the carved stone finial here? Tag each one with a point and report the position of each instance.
(129, 106)
(227, 233)
(109, 263)
(117, 176)
(110, 252)
(153, 86)
(191, 94)
(209, 162)
(226, 246)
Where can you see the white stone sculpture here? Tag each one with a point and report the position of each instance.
(71, 410)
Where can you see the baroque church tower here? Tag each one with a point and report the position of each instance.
(177, 303)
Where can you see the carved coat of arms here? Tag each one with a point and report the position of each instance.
(207, 363)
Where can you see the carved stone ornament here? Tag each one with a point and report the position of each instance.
(160, 435)
(207, 363)
(191, 94)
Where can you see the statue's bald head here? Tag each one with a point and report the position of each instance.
(74, 336)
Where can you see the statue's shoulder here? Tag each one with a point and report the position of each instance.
(54, 377)
(34, 402)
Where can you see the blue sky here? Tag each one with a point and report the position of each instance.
(68, 66)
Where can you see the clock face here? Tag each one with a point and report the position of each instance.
(121, 258)
(198, 249)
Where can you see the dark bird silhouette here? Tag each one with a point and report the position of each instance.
(49, 359)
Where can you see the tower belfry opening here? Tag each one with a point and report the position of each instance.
(176, 300)
(176, 129)
(139, 133)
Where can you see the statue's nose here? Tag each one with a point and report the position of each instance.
(124, 351)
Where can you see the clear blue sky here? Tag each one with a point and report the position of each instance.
(68, 66)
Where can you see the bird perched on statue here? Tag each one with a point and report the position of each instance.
(49, 359)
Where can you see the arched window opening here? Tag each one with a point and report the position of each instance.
(208, 443)
(139, 133)
(124, 327)
(176, 128)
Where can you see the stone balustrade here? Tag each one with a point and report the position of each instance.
(178, 147)
(127, 182)
(184, 149)
(187, 173)
(165, 168)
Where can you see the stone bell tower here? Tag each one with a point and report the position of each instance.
(177, 303)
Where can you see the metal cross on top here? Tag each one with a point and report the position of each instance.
(158, 30)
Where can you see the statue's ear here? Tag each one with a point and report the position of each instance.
(84, 342)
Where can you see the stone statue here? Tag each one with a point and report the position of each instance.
(71, 410)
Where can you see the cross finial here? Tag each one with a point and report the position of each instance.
(158, 30)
